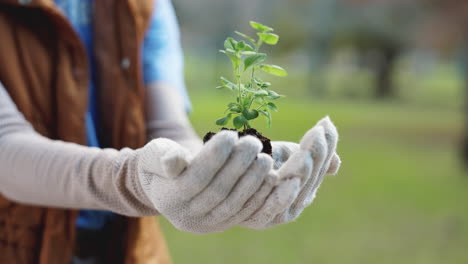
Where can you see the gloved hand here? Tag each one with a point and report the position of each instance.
(300, 170)
(230, 183)
(200, 194)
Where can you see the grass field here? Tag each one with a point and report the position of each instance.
(400, 197)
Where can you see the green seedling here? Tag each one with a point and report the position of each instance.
(254, 97)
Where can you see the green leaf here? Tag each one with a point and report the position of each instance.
(235, 109)
(246, 37)
(223, 120)
(230, 43)
(223, 87)
(274, 70)
(239, 121)
(260, 83)
(261, 92)
(258, 93)
(272, 106)
(240, 46)
(234, 59)
(228, 84)
(260, 27)
(269, 38)
(268, 116)
(250, 114)
(248, 47)
(246, 102)
(254, 59)
(232, 55)
(248, 53)
(274, 95)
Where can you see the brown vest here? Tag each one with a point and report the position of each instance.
(44, 67)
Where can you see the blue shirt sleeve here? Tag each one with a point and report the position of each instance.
(162, 54)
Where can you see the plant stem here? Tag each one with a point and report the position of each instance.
(251, 84)
(257, 48)
(261, 106)
(252, 78)
(259, 43)
(238, 76)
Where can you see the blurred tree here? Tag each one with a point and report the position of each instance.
(447, 31)
(381, 29)
(454, 15)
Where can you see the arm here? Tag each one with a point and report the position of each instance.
(39, 171)
(167, 101)
(166, 117)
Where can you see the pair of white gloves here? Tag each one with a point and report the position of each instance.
(226, 183)
(229, 182)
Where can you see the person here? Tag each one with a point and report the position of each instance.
(95, 140)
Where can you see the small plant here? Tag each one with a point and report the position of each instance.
(253, 95)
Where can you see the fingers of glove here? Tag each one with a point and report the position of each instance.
(255, 202)
(305, 197)
(290, 214)
(332, 160)
(245, 189)
(281, 198)
(308, 140)
(331, 136)
(282, 150)
(334, 165)
(174, 162)
(164, 157)
(203, 168)
(243, 155)
(298, 165)
(314, 141)
(307, 194)
(329, 162)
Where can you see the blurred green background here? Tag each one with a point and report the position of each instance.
(391, 75)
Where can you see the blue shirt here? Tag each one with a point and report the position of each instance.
(162, 60)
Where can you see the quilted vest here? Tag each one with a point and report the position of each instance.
(44, 67)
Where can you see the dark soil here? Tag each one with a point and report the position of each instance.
(249, 131)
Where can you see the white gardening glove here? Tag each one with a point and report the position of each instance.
(230, 183)
(300, 170)
(201, 194)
